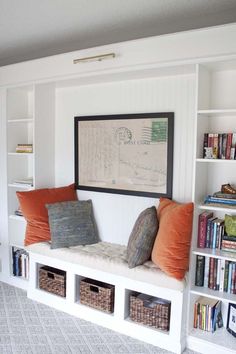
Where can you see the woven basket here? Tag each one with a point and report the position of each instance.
(152, 314)
(97, 294)
(52, 280)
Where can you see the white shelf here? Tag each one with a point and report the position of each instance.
(20, 185)
(214, 294)
(20, 153)
(22, 247)
(216, 253)
(214, 112)
(221, 339)
(217, 208)
(215, 160)
(21, 120)
(17, 217)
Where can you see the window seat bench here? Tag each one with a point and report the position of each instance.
(106, 262)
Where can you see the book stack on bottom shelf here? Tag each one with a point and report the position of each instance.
(207, 314)
(20, 263)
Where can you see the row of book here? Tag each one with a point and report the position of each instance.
(219, 146)
(20, 263)
(24, 148)
(211, 233)
(207, 314)
(214, 200)
(216, 274)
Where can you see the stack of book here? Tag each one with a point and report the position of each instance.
(28, 181)
(216, 274)
(221, 199)
(219, 146)
(24, 148)
(18, 212)
(228, 243)
(20, 263)
(207, 314)
(210, 230)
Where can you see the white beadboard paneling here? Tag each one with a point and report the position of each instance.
(115, 214)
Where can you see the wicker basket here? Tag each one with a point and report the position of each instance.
(97, 294)
(52, 280)
(150, 311)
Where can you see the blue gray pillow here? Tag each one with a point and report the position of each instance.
(142, 237)
(72, 223)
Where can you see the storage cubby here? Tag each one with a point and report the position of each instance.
(52, 280)
(148, 310)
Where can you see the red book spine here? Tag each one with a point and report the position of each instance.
(202, 228)
(228, 145)
(201, 233)
(211, 274)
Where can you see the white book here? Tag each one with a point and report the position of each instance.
(23, 265)
(222, 272)
(206, 272)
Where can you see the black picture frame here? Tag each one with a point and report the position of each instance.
(231, 319)
(125, 154)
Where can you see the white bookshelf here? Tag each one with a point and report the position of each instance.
(216, 113)
(28, 108)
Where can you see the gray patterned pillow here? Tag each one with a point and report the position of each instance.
(72, 223)
(142, 237)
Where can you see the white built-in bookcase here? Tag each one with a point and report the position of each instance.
(33, 95)
(29, 108)
(215, 113)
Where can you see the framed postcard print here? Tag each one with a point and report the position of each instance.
(231, 320)
(126, 154)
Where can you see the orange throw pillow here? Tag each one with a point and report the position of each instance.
(172, 245)
(32, 204)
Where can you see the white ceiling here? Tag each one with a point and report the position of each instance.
(32, 29)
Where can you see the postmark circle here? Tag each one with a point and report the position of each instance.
(123, 135)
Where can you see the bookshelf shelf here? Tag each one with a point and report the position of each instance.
(217, 208)
(213, 294)
(21, 120)
(201, 160)
(17, 217)
(20, 185)
(215, 112)
(216, 253)
(20, 153)
(220, 340)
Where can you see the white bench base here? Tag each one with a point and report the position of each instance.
(174, 340)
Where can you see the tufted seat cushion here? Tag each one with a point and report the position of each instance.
(109, 257)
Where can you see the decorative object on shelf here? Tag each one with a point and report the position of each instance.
(52, 280)
(207, 314)
(142, 237)
(97, 294)
(219, 146)
(231, 319)
(171, 248)
(24, 148)
(126, 154)
(228, 189)
(32, 204)
(226, 197)
(230, 225)
(150, 311)
(72, 223)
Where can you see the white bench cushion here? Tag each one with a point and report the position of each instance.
(109, 257)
